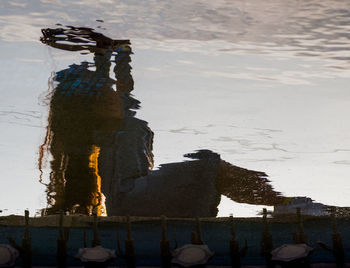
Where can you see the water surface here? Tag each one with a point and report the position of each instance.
(262, 84)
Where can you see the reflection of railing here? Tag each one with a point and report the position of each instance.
(130, 256)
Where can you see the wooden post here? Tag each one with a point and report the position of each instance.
(193, 238)
(62, 243)
(119, 247)
(26, 243)
(266, 241)
(95, 241)
(25, 249)
(234, 247)
(338, 248)
(84, 239)
(199, 240)
(300, 236)
(129, 246)
(165, 253)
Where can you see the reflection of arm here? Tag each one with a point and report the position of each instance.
(66, 46)
(75, 47)
(80, 39)
(246, 186)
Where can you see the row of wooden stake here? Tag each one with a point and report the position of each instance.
(236, 253)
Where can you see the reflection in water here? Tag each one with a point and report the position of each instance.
(85, 114)
(246, 51)
(102, 154)
(246, 186)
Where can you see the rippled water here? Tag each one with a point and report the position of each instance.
(265, 85)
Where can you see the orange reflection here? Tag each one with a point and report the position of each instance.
(98, 201)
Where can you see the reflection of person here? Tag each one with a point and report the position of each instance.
(99, 148)
(85, 114)
(194, 188)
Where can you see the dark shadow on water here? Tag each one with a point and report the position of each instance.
(88, 118)
(101, 154)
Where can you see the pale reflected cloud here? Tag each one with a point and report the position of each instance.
(29, 60)
(185, 62)
(287, 78)
(154, 69)
(342, 162)
(50, 1)
(17, 4)
(15, 28)
(298, 26)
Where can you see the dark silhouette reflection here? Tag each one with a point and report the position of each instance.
(86, 117)
(246, 186)
(193, 188)
(102, 154)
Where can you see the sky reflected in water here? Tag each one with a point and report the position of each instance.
(265, 85)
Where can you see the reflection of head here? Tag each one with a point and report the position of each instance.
(85, 112)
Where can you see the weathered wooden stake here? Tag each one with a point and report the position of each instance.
(129, 246)
(300, 237)
(175, 240)
(193, 238)
(26, 243)
(165, 253)
(234, 247)
(63, 235)
(60, 226)
(235, 253)
(95, 241)
(84, 239)
(266, 241)
(25, 249)
(338, 248)
(119, 247)
(197, 239)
